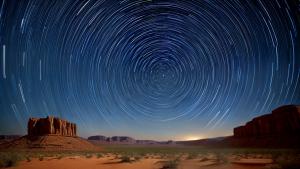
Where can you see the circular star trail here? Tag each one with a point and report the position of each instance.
(208, 64)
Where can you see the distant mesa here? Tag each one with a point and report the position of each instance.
(99, 139)
(122, 139)
(51, 126)
(112, 140)
(8, 138)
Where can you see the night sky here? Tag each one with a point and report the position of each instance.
(147, 69)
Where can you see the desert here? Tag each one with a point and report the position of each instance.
(55, 146)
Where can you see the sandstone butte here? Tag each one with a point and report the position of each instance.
(50, 134)
(283, 121)
(51, 126)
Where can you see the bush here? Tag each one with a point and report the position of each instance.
(289, 163)
(99, 155)
(28, 158)
(192, 156)
(221, 158)
(59, 157)
(171, 164)
(137, 158)
(125, 159)
(9, 160)
(88, 155)
(41, 158)
(203, 159)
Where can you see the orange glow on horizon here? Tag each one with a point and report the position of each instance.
(190, 138)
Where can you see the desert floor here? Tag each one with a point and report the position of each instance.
(112, 163)
(128, 157)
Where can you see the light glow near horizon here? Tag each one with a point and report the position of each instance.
(193, 137)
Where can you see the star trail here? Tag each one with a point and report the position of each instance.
(148, 69)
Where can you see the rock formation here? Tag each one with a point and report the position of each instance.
(283, 121)
(122, 139)
(50, 126)
(98, 138)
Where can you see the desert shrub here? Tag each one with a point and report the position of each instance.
(59, 157)
(125, 159)
(288, 163)
(143, 154)
(221, 158)
(276, 155)
(137, 158)
(99, 155)
(88, 156)
(28, 159)
(171, 164)
(203, 159)
(9, 160)
(41, 158)
(192, 156)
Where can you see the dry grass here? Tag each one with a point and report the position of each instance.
(9, 160)
(170, 164)
(125, 159)
(286, 162)
(128, 154)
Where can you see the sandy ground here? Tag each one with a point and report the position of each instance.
(78, 162)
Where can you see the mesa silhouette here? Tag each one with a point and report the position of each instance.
(50, 134)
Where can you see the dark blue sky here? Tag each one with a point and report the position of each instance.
(148, 69)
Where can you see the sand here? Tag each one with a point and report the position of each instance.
(110, 162)
(250, 161)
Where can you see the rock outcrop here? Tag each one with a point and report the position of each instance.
(283, 121)
(112, 140)
(51, 126)
(98, 138)
(279, 129)
(123, 139)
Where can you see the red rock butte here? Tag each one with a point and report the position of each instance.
(283, 121)
(51, 126)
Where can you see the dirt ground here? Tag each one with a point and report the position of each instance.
(109, 162)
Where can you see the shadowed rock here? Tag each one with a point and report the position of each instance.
(283, 121)
(279, 129)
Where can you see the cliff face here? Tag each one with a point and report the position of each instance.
(283, 121)
(50, 126)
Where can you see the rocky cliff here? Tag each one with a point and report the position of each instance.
(283, 121)
(99, 139)
(278, 129)
(50, 126)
